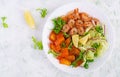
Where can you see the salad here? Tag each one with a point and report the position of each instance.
(77, 39)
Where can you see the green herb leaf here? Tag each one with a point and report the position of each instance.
(70, 46)
(96, 45)
(63, 45)
(37, 44)
(53, 52)
(40, 46)
(92, 60)
(74, 63)
(58, 24)
(99, 29)
(3, 18)
(43, 12)
(86, 65)
(5, 25)
(66, 35)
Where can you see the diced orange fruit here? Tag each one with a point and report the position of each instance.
(65, 61)
(64, 52)
(70, 57)
(60, 38)
(52, 36)
(67, 41)
(74, 51)
(54, 47)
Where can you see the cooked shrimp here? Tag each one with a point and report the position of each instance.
(78, 22)
(87, 24)
(71, 22)
(76, 14)
(66, 28)
(80, 30)
(85, 17)
(71, 16)
(76, 11)
(73, 31)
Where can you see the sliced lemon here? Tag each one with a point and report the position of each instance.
(84, 39)
(75, 40)
(29, 19)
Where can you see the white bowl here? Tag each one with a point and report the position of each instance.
(92, 10)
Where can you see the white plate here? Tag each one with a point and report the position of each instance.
(92, 10)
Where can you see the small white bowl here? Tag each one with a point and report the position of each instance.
(92, 10)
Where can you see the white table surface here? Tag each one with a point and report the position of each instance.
(18, 58)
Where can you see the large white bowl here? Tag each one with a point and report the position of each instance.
(92, 10)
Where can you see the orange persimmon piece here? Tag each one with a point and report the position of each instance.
(52, 36)
(74, 51)
(65, 61)
(70, 57)
(54, 47)
(57, 48)
(67, 41)
(64, 52)
(60, 38)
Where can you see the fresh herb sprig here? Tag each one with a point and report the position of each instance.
(66, 35)
(96, 45)
(74, 64)
(5, 25)
(86, 65)
(43, 12)
(58, 24)
(37, 44)
(99, 29)
(53, 52)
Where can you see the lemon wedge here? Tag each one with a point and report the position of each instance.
(75, 40)
(29, 19)
(84, 39)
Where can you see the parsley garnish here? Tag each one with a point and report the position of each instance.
(96, 45)
(99, 29)
(63, 45)
(66, 35)
(43, 12)
(58, 24)
(86, 63)
(79, 58)
(53, 52)
(37, 44)
(5, 25)
(70, 46)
